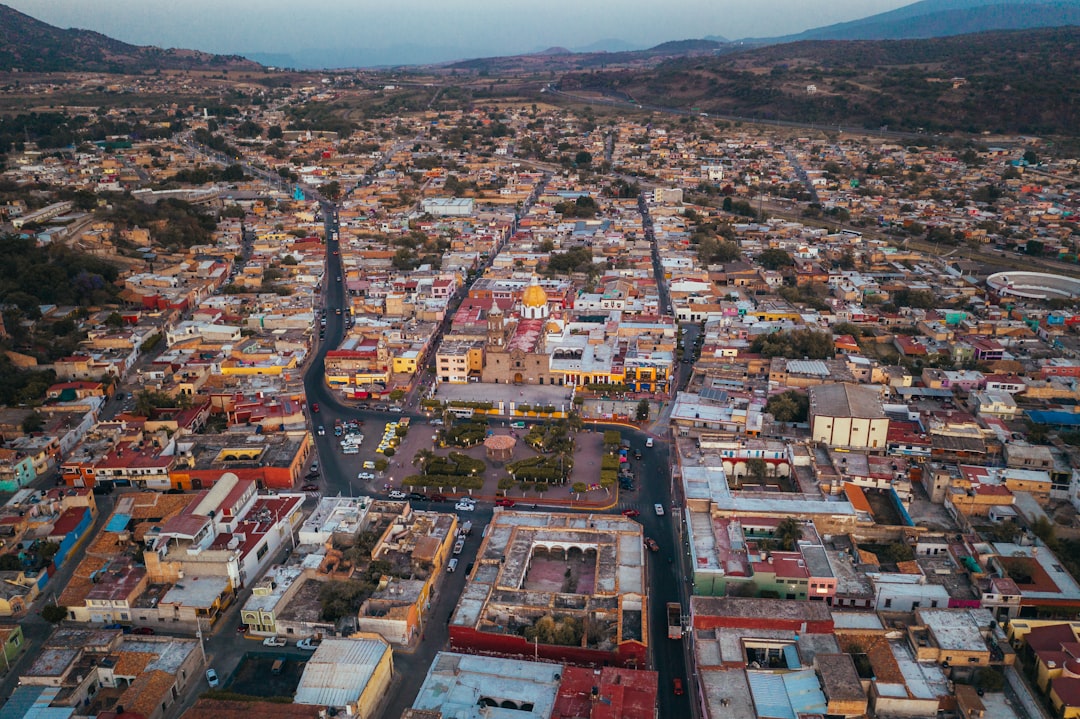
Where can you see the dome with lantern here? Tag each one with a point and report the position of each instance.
(534, 301)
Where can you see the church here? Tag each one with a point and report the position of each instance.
(516, 350)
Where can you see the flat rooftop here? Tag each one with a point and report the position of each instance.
(464, 686)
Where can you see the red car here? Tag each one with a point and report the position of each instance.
(437, 498)
(504, 502)
(241, 629)
(677, 687)
(143, 630)
(651, 544)
(310, 488)
(314, 406)
(631, 513)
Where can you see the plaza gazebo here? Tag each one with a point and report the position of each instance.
(500, 447)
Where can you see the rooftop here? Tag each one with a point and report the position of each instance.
(463, 686)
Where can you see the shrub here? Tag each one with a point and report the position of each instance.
(389, 452)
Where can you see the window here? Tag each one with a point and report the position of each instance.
(888, 603)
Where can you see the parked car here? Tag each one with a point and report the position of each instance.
(452, 565)
(241, 629)
(395, 408)
(365, 475)
(321, 431)
(649, 442)
(677, 687)
(418, 496)
(145, 631)
(504, 502)
(212, 678)
(314, 406)
(637, 454)
(275, 642)
(631, 513)
(397, 494)
(651, 544)
(307, 645)
(659, 509)
(463, 506)
(437, 497)
(368, 464)
(459, 545)
(310, 487)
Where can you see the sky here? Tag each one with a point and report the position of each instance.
(419, 31)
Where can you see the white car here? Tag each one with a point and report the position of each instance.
(659, 509)
(307, 645)
(463, 506)
(321, 430)
(397, 494)
(365, 475)
(275, 642)
(368, 464)
(211, 678)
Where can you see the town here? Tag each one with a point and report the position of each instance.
(507, 405)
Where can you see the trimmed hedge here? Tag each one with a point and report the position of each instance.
(442, 480)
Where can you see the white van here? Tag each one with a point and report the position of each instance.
(649, 442)
(452, 565)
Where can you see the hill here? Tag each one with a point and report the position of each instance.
(33, 46)
(1022, 81)
(565, 60)
(942, 18)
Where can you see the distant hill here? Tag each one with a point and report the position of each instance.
(559, 59)
(34, 46)
(1019, 82)
(942, 18)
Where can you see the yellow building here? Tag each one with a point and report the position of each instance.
(353, 673)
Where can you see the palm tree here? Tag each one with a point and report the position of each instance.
(422, 458)
(788, 532)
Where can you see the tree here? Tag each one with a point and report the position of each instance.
(114, 320)
(579, 488)
(33, 422)
(773, 259)
(757, 468)
(274, 132)
(53, 613)
(788, 532)
(790, 406)
(642, 410)
(583, 159)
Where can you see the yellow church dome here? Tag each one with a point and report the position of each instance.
(553, 328)
(534, 296)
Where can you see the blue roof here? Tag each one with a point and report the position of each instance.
(804, 692)
(1059, 417)
(118, 523)
(770, 697)
(786, 695)
(791, 656)
(32, 702)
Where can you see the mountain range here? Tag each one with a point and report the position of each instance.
(30, 45)
(942, 18)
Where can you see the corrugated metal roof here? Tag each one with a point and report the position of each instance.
(770, 697)
(804, 692)
(339, 670)
(811, 367)
(32, 702)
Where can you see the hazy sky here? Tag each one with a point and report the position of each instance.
(425, 27)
